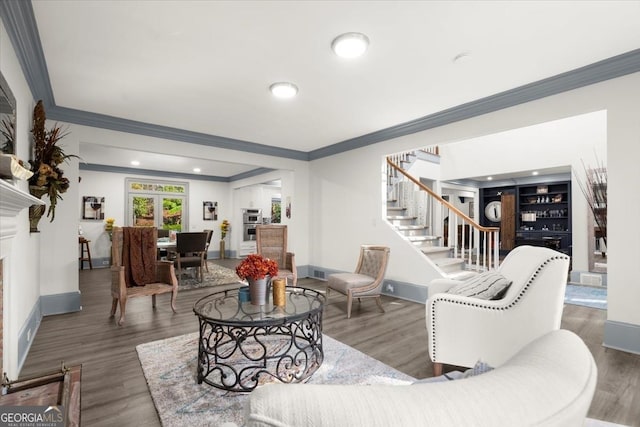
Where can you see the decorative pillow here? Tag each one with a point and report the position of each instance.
(479, 368)
(487, 285)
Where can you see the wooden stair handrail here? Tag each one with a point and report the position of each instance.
(443, 201)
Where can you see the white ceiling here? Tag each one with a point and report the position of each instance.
(205, 66)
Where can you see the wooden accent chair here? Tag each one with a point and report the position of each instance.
(366, 281)
(135, 271)
(271, 242)
(190, 252)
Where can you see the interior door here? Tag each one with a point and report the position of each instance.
(508, 221)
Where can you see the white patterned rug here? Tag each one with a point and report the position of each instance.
(169, 367)
(216, 276)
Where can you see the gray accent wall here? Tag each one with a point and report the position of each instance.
(46, 305)
(405, 290)
(28, 332)
(622, 336)
(60, 303)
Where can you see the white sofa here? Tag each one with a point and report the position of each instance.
(550, 382)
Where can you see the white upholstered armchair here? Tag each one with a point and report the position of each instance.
(463, 329)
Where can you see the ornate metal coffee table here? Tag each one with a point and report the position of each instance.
(243, 345)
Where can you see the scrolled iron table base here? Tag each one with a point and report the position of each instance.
(268, 345)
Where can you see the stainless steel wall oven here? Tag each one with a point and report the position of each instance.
(251, 218)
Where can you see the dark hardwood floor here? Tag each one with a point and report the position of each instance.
(114, 391)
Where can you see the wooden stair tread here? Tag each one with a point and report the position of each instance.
(448, 261)
(411, 227)
(435, 249)
(461, 275)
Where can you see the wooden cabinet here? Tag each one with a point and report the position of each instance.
(498, 209)
(508, 222)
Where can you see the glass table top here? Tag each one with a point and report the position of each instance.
(227, 308)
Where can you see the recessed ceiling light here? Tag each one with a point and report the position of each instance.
(350, 45)
(489, 178)
(534, 173)
(461, 57)
(283, 90)
(196, 170)
(135, 163)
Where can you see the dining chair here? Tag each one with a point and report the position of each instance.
(190, 252)
(206, 249)
(162, 252)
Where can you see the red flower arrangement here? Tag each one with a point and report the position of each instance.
(256, 267)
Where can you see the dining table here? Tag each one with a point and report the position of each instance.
(165, 245)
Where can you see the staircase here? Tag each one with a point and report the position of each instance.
(412, 210)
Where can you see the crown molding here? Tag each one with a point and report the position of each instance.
(102, 121)
(150, 172)
(250, 174)
(20, 24)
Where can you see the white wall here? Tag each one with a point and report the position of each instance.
(346, 209)
(563, 142)
(32, 254)
(348, 206)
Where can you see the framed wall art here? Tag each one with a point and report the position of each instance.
(93, 207)
(210, 211)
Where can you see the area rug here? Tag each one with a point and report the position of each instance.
(169, 367)
(217, 275)
(588, 296)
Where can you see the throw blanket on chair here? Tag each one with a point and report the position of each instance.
(139, 255)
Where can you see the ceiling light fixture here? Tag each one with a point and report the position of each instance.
(534, 173)
(350, 45)
(135, 163)
(461, 57)
(284, 90)
(196, 170)
(489, 178)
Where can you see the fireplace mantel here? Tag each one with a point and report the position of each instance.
(12, 202)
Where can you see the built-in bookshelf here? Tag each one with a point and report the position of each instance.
(542, 214)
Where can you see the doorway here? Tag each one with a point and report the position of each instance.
(163, 212)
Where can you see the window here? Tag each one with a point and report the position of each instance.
(160, 204)
(276, 208)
